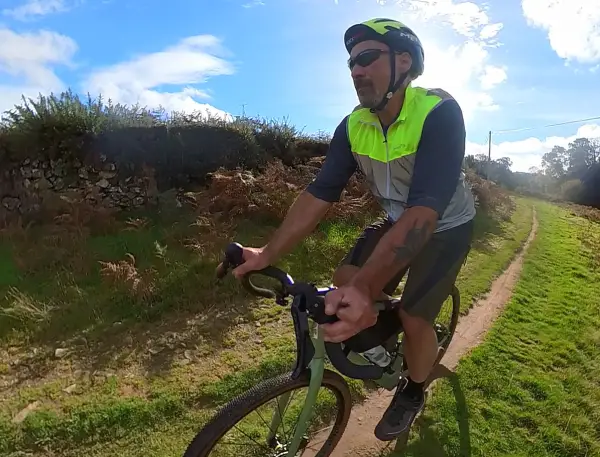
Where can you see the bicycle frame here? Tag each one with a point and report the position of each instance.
(317, 366)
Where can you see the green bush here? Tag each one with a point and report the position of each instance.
(181, 147)
(61, 127)
(571, 190)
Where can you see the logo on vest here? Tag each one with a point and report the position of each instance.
(404, 147)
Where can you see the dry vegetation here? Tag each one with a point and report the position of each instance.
(589, 212)
(270, 194)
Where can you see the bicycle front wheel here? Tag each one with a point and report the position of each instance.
(259, 404)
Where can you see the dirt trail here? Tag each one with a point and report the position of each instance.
(358, 439)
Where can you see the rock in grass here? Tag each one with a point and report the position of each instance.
(70, 389)
(59, 353)
(20, 417)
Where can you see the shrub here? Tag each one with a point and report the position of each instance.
(182, 147)
(572, 190)
(61, 127)
(489, 197)
(24, 307)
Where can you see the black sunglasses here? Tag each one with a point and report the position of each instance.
(366, 58)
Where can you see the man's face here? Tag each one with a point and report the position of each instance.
(370, 81)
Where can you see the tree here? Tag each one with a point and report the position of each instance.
(504, 162)
(553, 162)
(498, 169)
(582, 155)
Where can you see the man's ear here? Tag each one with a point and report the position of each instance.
(404, 61)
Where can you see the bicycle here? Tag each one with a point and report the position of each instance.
(348, 358)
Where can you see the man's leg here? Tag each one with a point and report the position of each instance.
(430, 278)
(420, 346)
(359, 254)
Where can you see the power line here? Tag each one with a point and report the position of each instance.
(548, 125)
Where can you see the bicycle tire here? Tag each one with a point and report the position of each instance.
(239, 407)
(455, 294)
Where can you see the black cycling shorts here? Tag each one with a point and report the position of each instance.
(431, 273)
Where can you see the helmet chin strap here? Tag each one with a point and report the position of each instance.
(392, 87)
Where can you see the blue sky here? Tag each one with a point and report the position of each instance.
(511, 64)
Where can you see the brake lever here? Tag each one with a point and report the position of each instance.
(221, 270)
(233, 257)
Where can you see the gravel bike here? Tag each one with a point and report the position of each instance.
(352, 359)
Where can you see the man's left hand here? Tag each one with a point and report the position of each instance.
(354, 307)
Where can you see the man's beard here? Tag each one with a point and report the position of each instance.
(367, 95)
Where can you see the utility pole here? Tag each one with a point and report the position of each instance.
(489, 154)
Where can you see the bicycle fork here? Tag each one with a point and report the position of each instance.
(316, 367)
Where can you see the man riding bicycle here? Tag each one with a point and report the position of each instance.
(409, 142)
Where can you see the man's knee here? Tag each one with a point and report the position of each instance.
(414, 325)
(343, 274)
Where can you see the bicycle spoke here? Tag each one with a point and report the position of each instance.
(236, 444)
(289, 403)
(245, 434)
(261, 418)
(282, 415)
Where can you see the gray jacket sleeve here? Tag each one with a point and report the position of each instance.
(337, 169)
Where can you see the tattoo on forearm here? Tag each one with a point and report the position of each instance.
(413, 242)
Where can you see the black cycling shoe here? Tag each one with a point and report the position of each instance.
(399, 415)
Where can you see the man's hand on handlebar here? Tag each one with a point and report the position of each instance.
(354, 308)
(254, 259)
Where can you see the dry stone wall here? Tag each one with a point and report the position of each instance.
(25, 187)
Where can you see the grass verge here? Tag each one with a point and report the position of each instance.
(533, 387)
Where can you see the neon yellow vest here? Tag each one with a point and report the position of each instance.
(387, 159)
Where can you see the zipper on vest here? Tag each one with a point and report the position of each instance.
(387, 162)
(387, 157)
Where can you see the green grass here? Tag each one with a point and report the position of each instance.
(152, 400)
(533, 387)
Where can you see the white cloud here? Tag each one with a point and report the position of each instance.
(490, 31)
(528, 152)
(34, 8)
(253, 3)
(31, 58)
(191, 61)
(492, 76)
(573, 26)
(466, 18)
(464, 70)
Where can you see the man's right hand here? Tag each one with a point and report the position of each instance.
(254, 259)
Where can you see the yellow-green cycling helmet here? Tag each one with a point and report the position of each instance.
(395, 34)
(398, 37)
